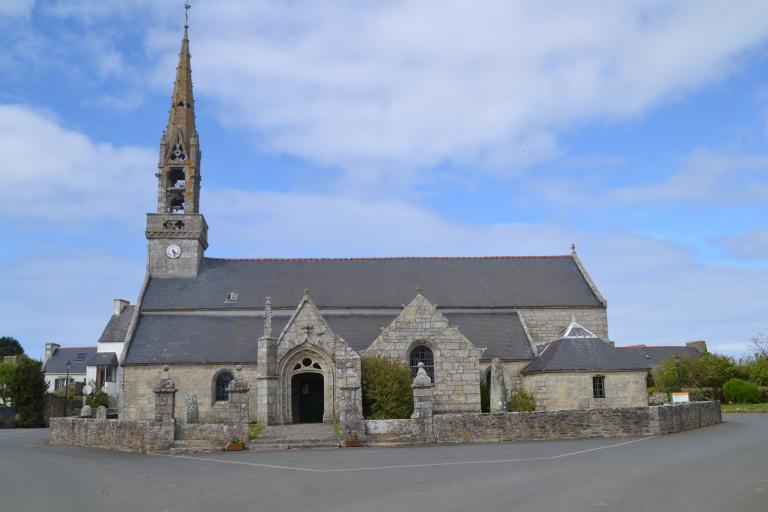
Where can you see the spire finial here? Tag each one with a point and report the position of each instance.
(187, 7)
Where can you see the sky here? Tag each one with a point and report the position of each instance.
(635, 129)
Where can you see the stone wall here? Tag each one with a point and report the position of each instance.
(457, 360)
(120, 435)
(546, 324)
(139, 399)
(535, 426)
(573, 390)
(215, 432)
(676, 418)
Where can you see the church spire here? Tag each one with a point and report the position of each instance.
(179, 165)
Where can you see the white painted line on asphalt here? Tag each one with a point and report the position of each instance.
(408, 466)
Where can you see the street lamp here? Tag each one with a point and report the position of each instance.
(677, 364)
(66, 387)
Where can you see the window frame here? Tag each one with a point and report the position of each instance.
(221, 394)
(598, 386)
(429, 363)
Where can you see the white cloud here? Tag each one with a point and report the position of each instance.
(394, 87)
(707, 178)
(63, 178)
(16, 8)
(750, 245)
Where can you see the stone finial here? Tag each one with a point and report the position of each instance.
(422, 377)
(166, 369)
(573, 248)
(306, 294)
(419, 289)
(268, 318)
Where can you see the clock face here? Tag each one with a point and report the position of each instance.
(173, 251)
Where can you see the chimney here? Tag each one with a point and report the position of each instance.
(118, 305)
(50, 349)
(699, 345)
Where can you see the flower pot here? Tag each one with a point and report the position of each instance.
(353, 443)
(233, 447)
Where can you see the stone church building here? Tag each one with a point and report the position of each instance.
(298, 328)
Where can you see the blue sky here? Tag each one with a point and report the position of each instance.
(635, 129)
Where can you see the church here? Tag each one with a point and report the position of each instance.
(295, 329)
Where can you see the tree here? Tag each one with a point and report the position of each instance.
(714, 370)
(7, 372)
(27, 392)
(10, 347)
(760, 346)
(758, 371)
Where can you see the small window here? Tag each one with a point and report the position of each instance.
(60, 383)
(598, 386)
(231, 298)
(222, 383)
(80, 356)
(422, 354)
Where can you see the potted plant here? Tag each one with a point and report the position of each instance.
(352, 441)
(235, 444)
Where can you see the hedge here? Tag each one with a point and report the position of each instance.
(741, 391)
(386, 388)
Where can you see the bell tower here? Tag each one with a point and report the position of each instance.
(177, 233)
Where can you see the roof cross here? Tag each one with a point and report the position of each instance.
(187, 7)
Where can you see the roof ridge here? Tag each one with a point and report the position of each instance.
(89, 346)
(376, 258)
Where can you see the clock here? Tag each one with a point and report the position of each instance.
(173, 251)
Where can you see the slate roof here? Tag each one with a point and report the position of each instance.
(169, 338)
(102, 359)
(117, 327)
(584, 354)
(78, 356)
(472, 282)
(655, 355)
(173, 338)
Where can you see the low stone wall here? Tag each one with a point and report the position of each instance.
(120, 435)
(676, 418)
(530, 426)
(215, 432)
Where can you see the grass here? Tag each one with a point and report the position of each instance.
(745, 408)
(255, 431)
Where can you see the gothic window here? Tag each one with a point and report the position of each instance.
(176, 178)
(598, 386)
(422, 354)
(177, 203)
(177, 151)
(222, 383)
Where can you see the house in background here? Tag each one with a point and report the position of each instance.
(103, 366)
(55, 365)
(655, 355)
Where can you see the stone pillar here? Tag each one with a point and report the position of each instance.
(165, 399)
(267, 382)
(238, 402)
(192, 415)
(423, 394)
(351, 405)
(499, 402)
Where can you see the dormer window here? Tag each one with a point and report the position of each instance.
(231, 298)
(80, 356)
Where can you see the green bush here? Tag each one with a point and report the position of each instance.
(26, 392)
(704, 394)
(713, 370)
(741, 391)
(386, 388)
(485, 397)
(521, 401)
(97, 400)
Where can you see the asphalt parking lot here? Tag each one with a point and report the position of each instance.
(719, 468)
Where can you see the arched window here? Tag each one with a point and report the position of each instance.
(222, 383)
(422, 354)
(598, 386)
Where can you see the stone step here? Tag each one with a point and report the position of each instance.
(286, 437)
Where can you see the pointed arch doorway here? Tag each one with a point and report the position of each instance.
(307, 397)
